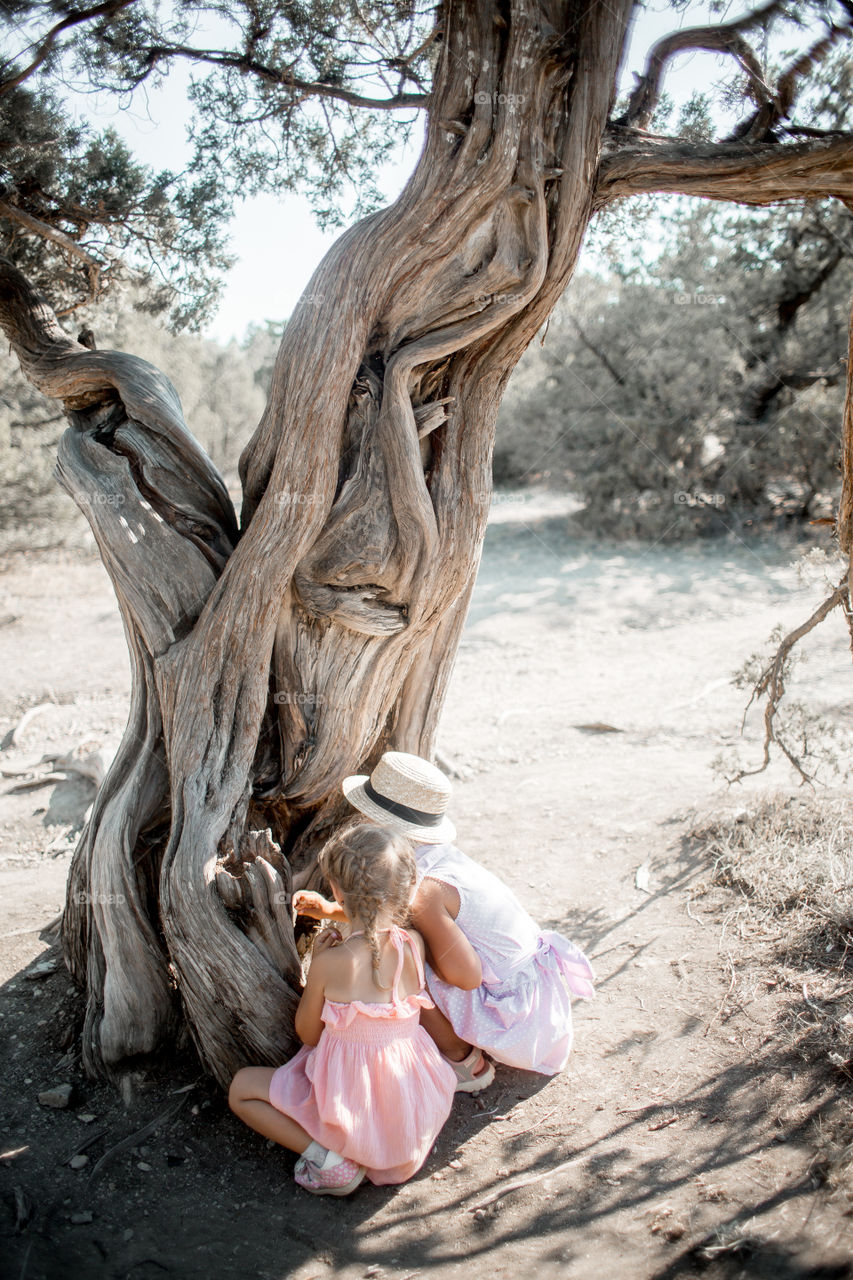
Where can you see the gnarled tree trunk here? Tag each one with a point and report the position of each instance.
(268, 665)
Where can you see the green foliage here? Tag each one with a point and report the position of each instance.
(697, 387)
(284, 97)
(162, 232)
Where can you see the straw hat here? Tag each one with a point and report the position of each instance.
(405, 793)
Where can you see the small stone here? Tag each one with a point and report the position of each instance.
(86, 1117)
(146, 1168)
(502, 1173)
(454, 1164)
(80, 1219)
(127, 1234)
(42, 970)
(439, 1175)
(78, 1162)
(58, 1097)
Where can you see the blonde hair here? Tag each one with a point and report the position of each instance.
(374, 869)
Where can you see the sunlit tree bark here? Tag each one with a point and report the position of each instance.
(271, 661)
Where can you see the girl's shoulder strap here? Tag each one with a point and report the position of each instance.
(400, 937)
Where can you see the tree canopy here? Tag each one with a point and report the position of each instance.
(310, 97)
(701, 391)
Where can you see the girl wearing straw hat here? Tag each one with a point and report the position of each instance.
(499, 983)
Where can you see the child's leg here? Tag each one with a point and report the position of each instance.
(248, 1098)
(438, 1027)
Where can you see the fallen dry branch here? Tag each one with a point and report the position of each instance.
(523, 1182)
(140, 1134)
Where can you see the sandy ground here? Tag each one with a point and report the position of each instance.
(679, 1141)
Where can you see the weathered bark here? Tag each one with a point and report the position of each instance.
(844, 520)
(267, 668)
(756, 173)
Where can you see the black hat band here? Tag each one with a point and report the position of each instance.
(416, 816)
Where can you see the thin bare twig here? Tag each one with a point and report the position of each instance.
(44, 48)
(132, 1139)
(771, 682)
(523, 1182)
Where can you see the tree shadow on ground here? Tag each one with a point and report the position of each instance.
(200, 1196)
(675, 869)
(206, 1198)
(616, 1174)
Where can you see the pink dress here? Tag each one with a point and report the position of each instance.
(521, 1014)
(374, 1088)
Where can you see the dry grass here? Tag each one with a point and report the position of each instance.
(790, 860)
(791, 857)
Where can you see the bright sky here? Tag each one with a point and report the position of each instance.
(275, 239)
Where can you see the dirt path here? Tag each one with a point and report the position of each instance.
(679, 1139)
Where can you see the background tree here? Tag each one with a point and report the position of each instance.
(701, 392)
(271, 659)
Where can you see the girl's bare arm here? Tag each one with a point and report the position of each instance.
(448, 950)
(309, 1021)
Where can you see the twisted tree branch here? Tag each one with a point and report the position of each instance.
(43, 50)
(285, 79)
(771, 682)
(717, 38)
(747, 173)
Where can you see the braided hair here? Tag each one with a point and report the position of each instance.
(374, 869)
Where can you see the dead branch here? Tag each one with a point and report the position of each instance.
(599, 354)
(523, 1182)
(717, 38)
(771, 682)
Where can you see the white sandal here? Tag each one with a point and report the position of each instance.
(468, 1078)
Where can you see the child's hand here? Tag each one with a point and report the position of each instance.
(313, 905)
(327, 938)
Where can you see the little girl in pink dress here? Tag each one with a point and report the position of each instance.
(499, 983)
(369, 1091)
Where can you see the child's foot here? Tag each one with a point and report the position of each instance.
(473, 1073)
(333, 1176)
